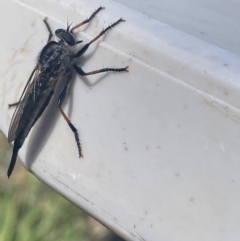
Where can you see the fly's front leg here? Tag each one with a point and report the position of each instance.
(87, 20)
(85, 47)
(73, 128)
(49, 30)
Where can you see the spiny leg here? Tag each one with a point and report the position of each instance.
(87, 20)
(13, 104)
(81, 72)
(85, 47)
(49, 30)
(73, 128)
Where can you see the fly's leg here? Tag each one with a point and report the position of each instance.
(85, 47)
(49, 30)
(87, 20)
(73, 128)
(13, 104)
(81, 72)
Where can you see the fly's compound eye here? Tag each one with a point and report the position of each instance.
(66, 36)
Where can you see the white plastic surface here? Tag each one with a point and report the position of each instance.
(216, 22)
(160, 143)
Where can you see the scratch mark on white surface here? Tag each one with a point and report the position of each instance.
(230, 111)
(131, 232)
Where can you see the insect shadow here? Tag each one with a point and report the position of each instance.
(46, 124)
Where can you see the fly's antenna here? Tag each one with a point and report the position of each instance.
(68, 27)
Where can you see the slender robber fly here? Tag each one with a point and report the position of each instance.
(55, 61)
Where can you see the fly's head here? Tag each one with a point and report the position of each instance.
(67, 36)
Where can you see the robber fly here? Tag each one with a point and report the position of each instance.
(56, 60)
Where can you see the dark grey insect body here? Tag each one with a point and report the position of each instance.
(55, 61)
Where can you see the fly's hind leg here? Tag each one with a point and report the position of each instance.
(73, 128)
(13, 104)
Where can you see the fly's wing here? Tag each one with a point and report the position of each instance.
(21, 104)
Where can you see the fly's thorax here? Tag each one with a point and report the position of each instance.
(67, 55)
(55, 56)
(48, 53)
